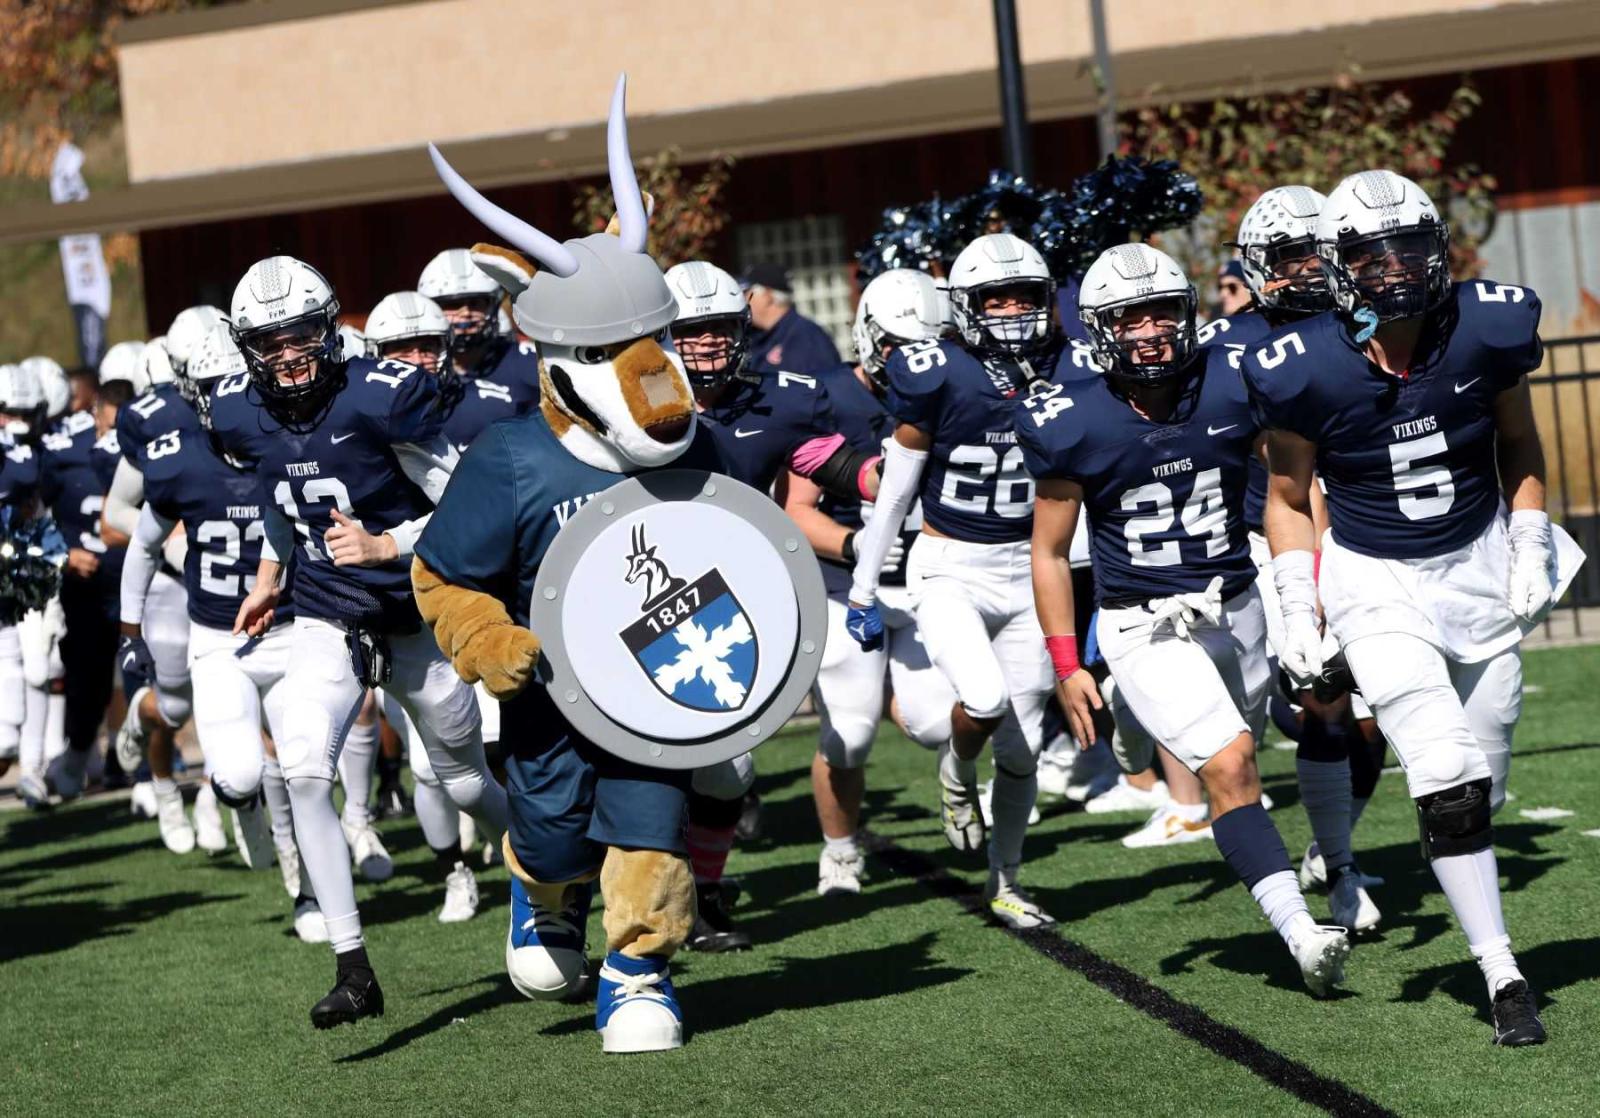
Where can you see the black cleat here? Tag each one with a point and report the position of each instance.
(392, 803)
(1516, 1016)
(356, 995)
(748, 829)
(713, 928)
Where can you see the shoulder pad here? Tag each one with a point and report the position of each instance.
(803, 381)
(1505, 318)
(919, 369)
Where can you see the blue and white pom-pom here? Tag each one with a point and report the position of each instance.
(32, 553)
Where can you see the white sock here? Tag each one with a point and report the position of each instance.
(1189, 813)
(1471, 883)
(355, 773)
(164, 785)
(844, 847)
(1325, 792)
(277, 793)
(954, 770)
(437, 816)
(325, 859)
(31, 754)
(55, 727)
(1011, 802)
(1278, 894)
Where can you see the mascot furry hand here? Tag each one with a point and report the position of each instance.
(613, 403)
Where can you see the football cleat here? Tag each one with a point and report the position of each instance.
(839, 873)
(748, 829)
(1314, 873)
(1516, 1016)
(1055, 773)
(713, 929)
(356, 995)
(1321, 953)
(289, 864)
(460, 896)
(67, 773)
(392, 802)
(253, 836)
(32, 791)
(544, 948)
(636, 1009)
(962, 815)
(131, 739)
(308, 922)
(1011, 905)
(1123, 796)
(209, 835)
(1351, 905)
(986, 805)
(175, 829)
(1167, 827)
(142, 800)
(368, 853)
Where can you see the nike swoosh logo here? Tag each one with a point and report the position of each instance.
(337, 439)
(1460, 388)
(1218, 430)
(738, 434)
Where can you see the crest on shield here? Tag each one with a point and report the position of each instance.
(692, 639)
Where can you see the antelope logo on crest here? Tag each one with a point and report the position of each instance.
(643, 563)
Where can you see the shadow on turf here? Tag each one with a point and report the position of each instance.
(43, 929)
(1258, 954)
(500, 992)
(1548, 967)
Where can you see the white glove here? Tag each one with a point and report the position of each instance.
(1183, 610)
(1532, 577)
(896, 556)
(1301, 654)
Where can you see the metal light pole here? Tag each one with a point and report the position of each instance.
(1016, 146)
(1108, 88)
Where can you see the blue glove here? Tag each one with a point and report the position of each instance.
(865, 624)
(138, 667)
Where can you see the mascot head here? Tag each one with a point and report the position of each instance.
(598, 308)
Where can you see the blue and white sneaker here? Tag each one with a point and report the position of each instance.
(546, 950)
(637, 1009)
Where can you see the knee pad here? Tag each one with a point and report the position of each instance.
(174, 706)
(1456, 820)
(465, 788)
(230, 791)
(846, 742)
(1321, 741)
(988, 708)
(727, 781)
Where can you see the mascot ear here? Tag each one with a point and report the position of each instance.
(509, 269)
(614, 226)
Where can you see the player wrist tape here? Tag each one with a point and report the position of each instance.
(1063, 654)
(1530, 526)
(1294, 573)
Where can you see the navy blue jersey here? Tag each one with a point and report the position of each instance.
(1238, 331)
(506, 501)
(795, 344)
(1165, 500)
(514, 365)
(75, 472)
(974, 486)
(759, 425)
(1408, 463)
(470, 405)
(219, 506)
(347, 461)
(148, 417)
(19, 473)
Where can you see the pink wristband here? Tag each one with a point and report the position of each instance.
(1063, 654)
(866, 471)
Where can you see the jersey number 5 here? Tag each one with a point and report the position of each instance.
(1410, 475)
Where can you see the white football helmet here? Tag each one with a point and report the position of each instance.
(285, 320)
(1278, 251)
(156, 363)
(1134, 275)
(122, 362)
(353, 342)
(22, 403)
(710, 299)
(407, 319)
(897, 307)
(997, 262)
(53, 378)
(1386, 245)
(187, 331)
(452, 277)
(215, 356)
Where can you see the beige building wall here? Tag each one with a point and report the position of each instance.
(393, 76)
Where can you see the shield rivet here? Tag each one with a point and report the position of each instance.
(754, 730)
(808, 647)
(607, 507)
(549, 593)
(655, 750)
(572, 696)
(711, 489)
(791, 545)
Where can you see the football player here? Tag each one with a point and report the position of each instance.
(80, 459)
(351, 454)
(1411, 403)
(954, 446)
(899, 307)
(22, 417)
(1155, 449)
(479, 348)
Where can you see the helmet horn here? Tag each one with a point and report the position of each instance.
(634, 226)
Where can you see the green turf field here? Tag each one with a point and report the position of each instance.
(137, 983)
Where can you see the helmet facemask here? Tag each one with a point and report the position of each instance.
(711, 365)
(1288, 276)
(480, 327)
(1158, 357)
(293, 364)
(1006, 332)
(1398, 273)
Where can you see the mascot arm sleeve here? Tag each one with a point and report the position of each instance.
(474, 630)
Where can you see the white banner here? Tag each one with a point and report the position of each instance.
(83, 264)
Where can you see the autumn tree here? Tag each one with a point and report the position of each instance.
(686, 216)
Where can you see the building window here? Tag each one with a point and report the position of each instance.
(813, 249)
